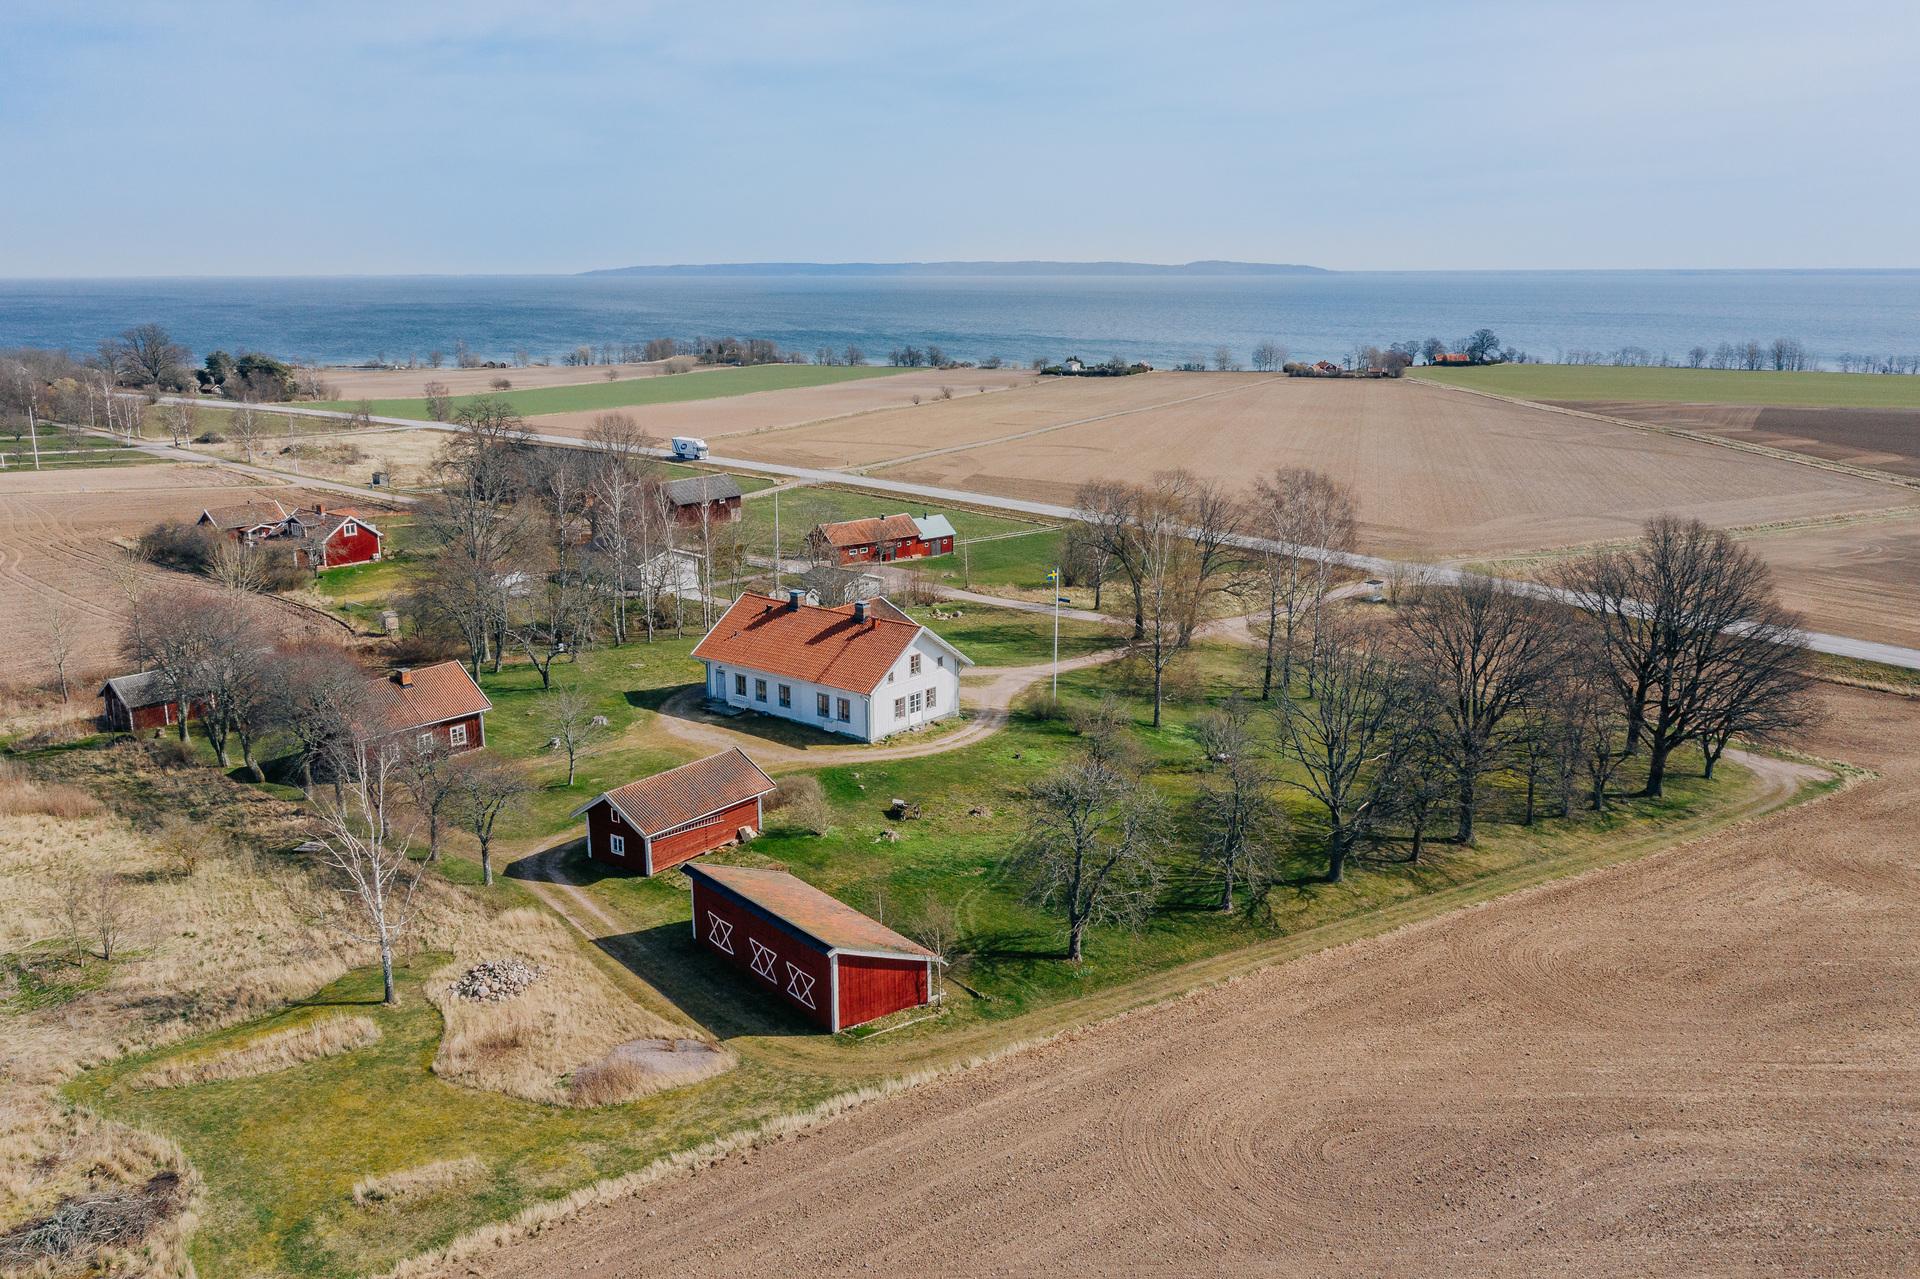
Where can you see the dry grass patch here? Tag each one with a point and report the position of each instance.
(24, 796)
(410, 1185)
(281, 1050)
(643, 1066)
(527, 1045)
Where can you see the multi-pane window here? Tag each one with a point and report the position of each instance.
(786, 695)
(759, 690)
(913, 664)
(618, 845)
(425, 741)
(822, 704)
(929, 699)
(913, 703)
(845, 709)
(899, 707)
(457, 735)
(739, 685)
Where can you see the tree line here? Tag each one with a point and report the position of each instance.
(1393, 724)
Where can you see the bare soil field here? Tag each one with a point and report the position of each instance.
(1882, 438)
(769, 410)
(56, 547)
(1860, 578)
(1440, 474)
(403, 384)
(1701, 1062)
(349, 457)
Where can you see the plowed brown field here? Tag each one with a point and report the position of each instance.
(1860, 579)
(1703, 1062)
(1884, 439)
(1440, 474)
(769, 410)
(56, 546)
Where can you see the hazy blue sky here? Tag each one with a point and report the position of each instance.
(319, 138)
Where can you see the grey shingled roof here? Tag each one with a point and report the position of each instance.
(696, 489)
(143, 688)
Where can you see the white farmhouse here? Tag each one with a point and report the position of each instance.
(863, 669)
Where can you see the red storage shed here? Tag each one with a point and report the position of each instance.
(661, 821)
(838, 967)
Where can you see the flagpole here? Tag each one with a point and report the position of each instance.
(1053, 579)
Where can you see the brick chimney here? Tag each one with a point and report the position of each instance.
(403, 677)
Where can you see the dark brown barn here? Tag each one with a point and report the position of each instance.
(718, 496)
(661, 821)
(835, 966)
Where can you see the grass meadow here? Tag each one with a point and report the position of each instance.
(282, 1155)
(1582, 382)
(635, 392)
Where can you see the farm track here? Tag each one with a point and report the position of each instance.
(1702, 1061)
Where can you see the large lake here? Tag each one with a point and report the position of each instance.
(1159, 319)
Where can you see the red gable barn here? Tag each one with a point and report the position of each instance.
(837, 967)
(882, 538)
(140, 702)
(434, 705)
(714, 498)
(331, 539)
(660, 821)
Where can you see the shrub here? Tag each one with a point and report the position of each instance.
(1041, 705)
(605, 1083)
(802, 805)
(178, 544)
(209, 437)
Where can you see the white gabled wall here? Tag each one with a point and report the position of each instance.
(872, 718)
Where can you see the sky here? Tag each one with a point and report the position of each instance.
(325, 138)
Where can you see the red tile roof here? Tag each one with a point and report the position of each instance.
(659, 803)
(826, 919)
(437, 693)
(811, 643)
(870, 532)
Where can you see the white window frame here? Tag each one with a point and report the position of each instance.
(824, 704)
(349, 529)
(739, 684)
(457, 735)
(759, 690)
(913, 663)
(617, 845)
(424, 741)
(930, 689)
(719, 933)
(785, 696)
(845, 710)
(800, 985)
(914, 703)
(899, 707)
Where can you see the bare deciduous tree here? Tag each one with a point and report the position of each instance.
(1092, 845)
(1295, 509)
(59, 630)
(567, 713)
(368, 852)
(430, 775)
(490, 787)
(1235, 816)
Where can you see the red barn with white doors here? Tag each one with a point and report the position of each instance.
(833, 965)
(661, 821)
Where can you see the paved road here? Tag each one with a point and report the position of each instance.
(1819, 641)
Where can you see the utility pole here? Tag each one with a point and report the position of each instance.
(33, 430)
(776, 541)
(1053, 580)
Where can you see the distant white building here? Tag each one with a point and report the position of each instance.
(863, 669)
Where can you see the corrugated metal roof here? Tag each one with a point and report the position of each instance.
(826, 919)
(679, 795)
(932, 526)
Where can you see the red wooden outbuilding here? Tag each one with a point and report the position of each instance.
(661, 821)
(327, 539)
(436, 707)
(141, 703)
(832, 964)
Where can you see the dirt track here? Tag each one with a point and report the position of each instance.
(1703, 1062)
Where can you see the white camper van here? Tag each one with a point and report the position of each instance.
(689, 449)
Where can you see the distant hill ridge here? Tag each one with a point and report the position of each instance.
(968, 268)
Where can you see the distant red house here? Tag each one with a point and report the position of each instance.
(432, 706)
(1327, 369)
(140, 703)
(715, 498)
(1453, 357)
(882, 539)
(325, 539)
(661, 821)
(321, 538)
(827, 961)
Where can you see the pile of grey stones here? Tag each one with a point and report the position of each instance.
(492, 980)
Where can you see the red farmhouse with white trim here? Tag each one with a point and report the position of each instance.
(882, 539)
(433, 706)
(322, 538)
(661, 821)
(834, 965)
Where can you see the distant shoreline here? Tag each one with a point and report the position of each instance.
(871, 270)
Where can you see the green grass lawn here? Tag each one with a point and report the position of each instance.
(1579, 382)
(62, 450)
(802, 508)
(280, 1153)
(635, 392)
